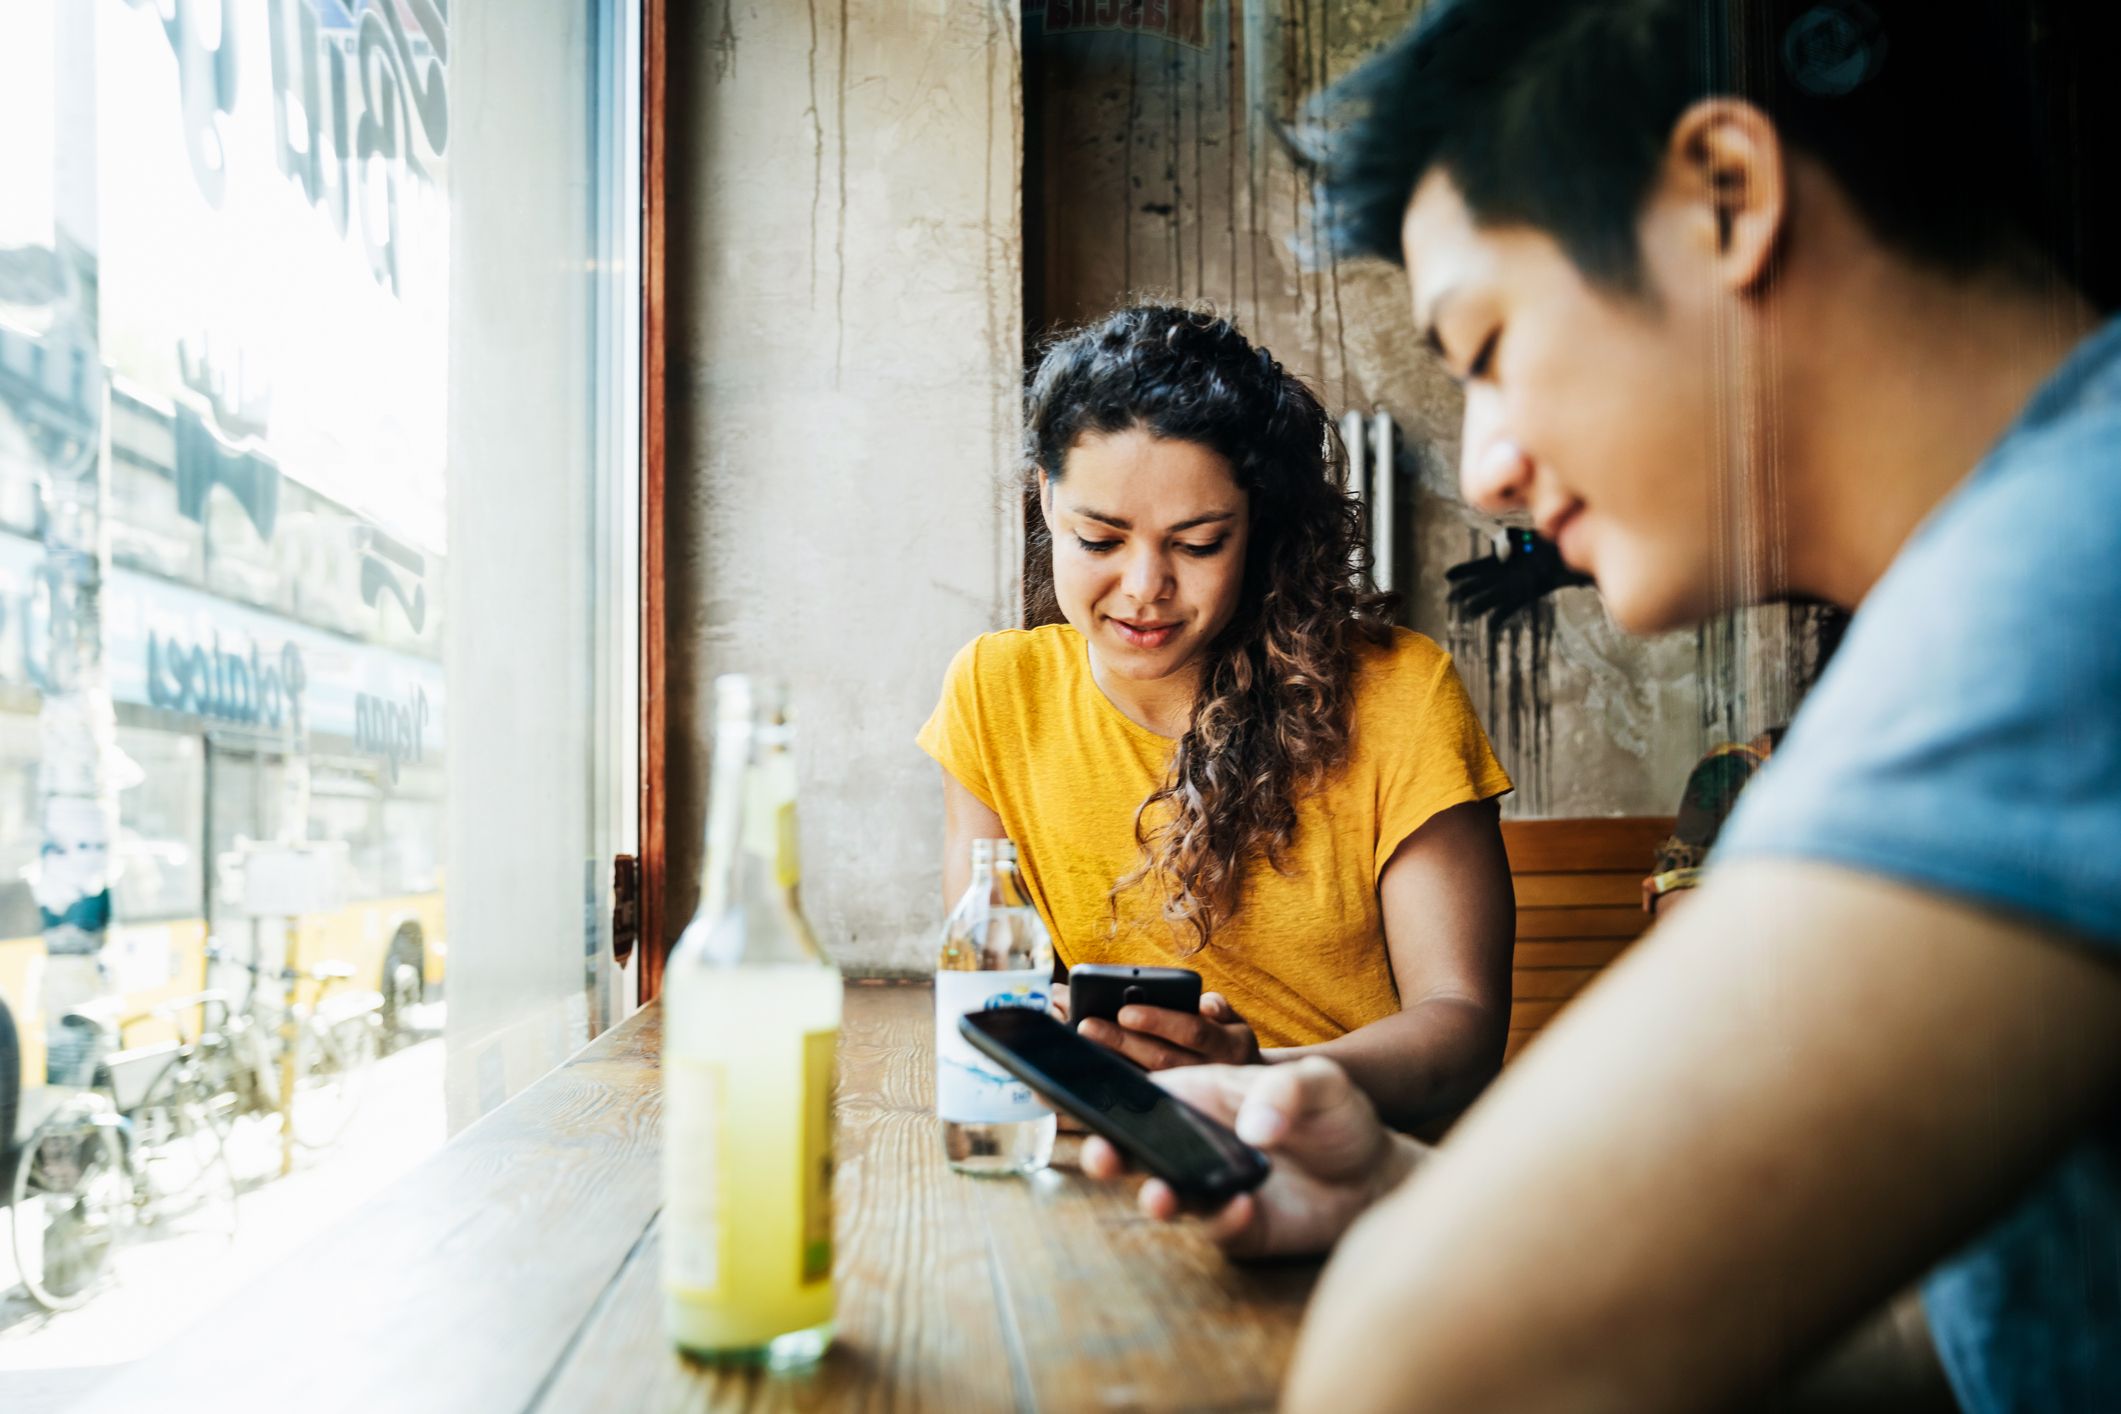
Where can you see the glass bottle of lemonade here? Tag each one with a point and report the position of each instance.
(751, 1015)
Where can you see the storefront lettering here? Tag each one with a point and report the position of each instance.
(206, 86)
(325, 139)
(207, 681)
(395, 731)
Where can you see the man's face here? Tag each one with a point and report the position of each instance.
(1605, 416)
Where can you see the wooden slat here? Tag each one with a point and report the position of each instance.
(1579, 902)
(1584, 952)
(1550, 983)
(1551, 846)
(1578, 890)
(1528, 1016)
(1613, 922)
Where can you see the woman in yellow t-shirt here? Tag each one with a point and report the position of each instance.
(1227, 758)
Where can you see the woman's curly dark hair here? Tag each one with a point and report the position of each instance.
(1271, 717)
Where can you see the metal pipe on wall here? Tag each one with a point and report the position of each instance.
(1383, 510)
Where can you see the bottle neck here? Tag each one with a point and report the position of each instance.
(751, 876)
(1006, 887)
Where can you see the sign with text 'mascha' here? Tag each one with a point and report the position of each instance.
(1181, 21)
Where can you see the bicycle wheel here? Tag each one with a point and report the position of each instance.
(331, 1071)
(73, 1204)
(185, 1183)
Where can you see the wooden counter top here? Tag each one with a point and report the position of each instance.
(517, 1270)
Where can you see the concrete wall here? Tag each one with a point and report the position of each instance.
(1150, 179)
(845, 334)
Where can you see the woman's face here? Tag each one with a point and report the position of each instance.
(1149, 544)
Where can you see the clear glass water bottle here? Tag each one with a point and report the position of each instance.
(751, 1018)
(995, 953)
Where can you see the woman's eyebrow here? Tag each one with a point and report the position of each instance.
(1122, 523)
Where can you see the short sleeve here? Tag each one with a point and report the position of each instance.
(1967, 739)
(954, 734)
(1430, 751)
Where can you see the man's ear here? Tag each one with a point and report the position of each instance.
(1726, 159)
(1045, 499)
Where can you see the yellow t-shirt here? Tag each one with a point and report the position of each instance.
(1024, 727)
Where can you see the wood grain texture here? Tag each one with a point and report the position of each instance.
(1578, 891)
(1530, 1016)
(1550, 983)
(454, 1288)
(1567, 952)
(1622, 843)
(1615, 921)
(519, 1270)
(1579, 906)
(655, 928)
(968, 1294)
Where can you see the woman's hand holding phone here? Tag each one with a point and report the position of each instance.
(1332, 1156)
(1159, 1038)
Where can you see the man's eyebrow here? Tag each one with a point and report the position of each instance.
(1103, 518)
(1212, 518)
(1429, 322)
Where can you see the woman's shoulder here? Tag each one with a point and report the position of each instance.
(1012, 661)
(1401, 661)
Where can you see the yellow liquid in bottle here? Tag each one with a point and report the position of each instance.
(747, 1160)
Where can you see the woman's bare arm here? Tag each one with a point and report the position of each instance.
(1450, 918)
(965, 818)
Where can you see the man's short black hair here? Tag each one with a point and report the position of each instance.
(1958, 127)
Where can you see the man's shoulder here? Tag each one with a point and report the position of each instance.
(2019, 554)
(1968, 735)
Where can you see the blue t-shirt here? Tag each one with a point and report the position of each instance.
(1967, 740)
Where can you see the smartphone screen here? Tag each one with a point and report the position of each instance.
(1200, 1158)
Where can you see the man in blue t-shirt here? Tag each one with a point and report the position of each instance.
(1756, 299)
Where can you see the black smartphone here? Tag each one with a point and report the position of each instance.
(1201, 1159)
(1100, 990)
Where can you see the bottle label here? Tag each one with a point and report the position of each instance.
(969, 1088)
(692, 1175)
(818, 1047)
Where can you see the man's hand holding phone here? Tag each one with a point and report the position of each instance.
(1332, 1156)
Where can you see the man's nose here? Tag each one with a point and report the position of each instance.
(1494, 474)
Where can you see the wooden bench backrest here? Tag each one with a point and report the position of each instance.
(1579, 905)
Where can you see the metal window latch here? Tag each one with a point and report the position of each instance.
(1373, 466)
(625, 906)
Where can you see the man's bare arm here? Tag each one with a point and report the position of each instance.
(1770, 1116)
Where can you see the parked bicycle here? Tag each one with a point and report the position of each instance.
(121, 1144)
(306, 1063)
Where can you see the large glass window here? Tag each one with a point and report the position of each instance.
(296, 350)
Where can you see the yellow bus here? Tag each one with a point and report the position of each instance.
(275, 664)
